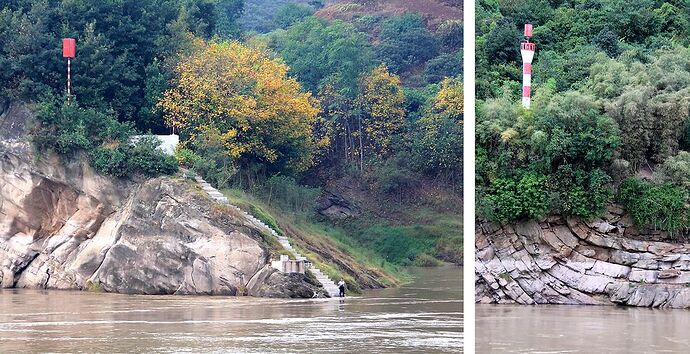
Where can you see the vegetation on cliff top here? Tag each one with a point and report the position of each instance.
(610, 93)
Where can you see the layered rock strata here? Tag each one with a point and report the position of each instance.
(569, 261)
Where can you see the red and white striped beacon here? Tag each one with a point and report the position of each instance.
(69, 51)
(527, 52)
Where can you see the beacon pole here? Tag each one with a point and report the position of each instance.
(69, 51)
(527, 52)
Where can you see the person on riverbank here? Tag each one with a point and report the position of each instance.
(341, 287)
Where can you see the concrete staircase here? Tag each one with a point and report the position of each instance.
(329, 285)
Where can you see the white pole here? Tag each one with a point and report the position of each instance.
(68, 80)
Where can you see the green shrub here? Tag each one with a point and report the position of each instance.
(397, 245)
(576, 192)
(450, 34)
(502, 204)
(394, 177)
(500, 42)
(632, 190)
(417, 101)
(110, 161)
(531, 190)
(426, 260)
(661, 207)
(438, 146)
(68, 129)
(367, 23)
(675, 170)
(144, 157)
(186, 157)
(511, 199)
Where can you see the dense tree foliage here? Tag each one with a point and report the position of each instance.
(116, 42)
(369, 115)
(228, 13)
(610, 104)
(292, 13)
(648, 101)
(246, 100)
(443, 66)
(264, 16)
(450, 34)
(382, 114)
(405, 41)
(319, 52)
(438, 141)
(564, 143)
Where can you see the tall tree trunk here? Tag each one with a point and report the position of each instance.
(347, 140)
(361, 147)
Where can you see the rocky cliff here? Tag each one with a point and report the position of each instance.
(63, 226)
(569, 261)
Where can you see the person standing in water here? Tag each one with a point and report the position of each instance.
(341, 287)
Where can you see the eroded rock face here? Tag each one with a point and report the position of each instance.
(66, 227)
(559, 261)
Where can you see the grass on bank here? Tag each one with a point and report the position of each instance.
(315, 232)
(421, 237)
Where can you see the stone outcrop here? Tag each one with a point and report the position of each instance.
(336, 207)
(569, 261)
(14, 119)
(269, 282)
(63, 226)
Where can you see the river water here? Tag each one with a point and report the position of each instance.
(580, 329)
(424, 316)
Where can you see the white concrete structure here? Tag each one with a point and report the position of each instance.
(285, 265)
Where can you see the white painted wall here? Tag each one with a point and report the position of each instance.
(168, 142)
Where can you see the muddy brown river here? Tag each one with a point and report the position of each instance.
(424, 316)
(580, 329)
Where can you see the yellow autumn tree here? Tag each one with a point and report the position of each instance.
(449, 99)
(245, 99)
(381, 101)
(439, 142)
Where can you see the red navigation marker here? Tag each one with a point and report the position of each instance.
(69, 47)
